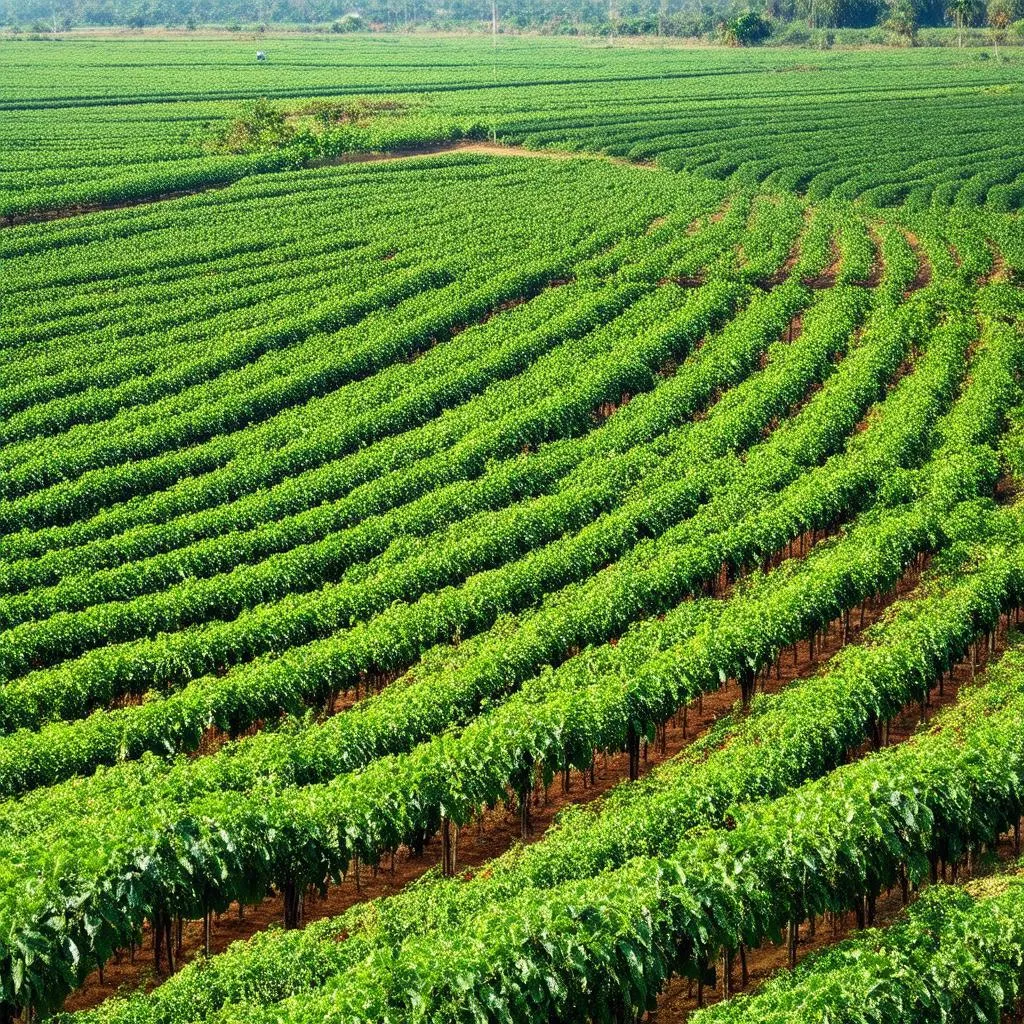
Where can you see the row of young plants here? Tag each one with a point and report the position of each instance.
(192, 468)
(294, 330)
(646, 336)
(895, 249)
(299, 441)
(226, 286)
(396, 638)
(307, 366)
(326, 818)
(233, 304)
(523, 348)
(595, 241)
(272, 502)
(776, 227)
(178, 721)
(954, 956)
(800, 733)
(1004, 230)
(816, 245)
(353, 284)
(322, 556)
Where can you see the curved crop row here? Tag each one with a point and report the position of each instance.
(312, 805)
(397, 637)
(179, 720)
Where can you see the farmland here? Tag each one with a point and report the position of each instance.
(407, 439)
(85, 123)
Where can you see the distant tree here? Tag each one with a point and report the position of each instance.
(747, 29)
(961, 12)
(824, 13)
(1000, 14)
(351, 22)
(901, 21)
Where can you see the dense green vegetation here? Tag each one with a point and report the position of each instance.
(922, 127)
(957, 953)
(346, 500)
(734, 21)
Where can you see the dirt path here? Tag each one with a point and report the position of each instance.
(878, 263)
(485, 149)
(923, 277)
(998, 272)
(826, 277)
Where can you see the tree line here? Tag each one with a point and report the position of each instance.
(739, 22)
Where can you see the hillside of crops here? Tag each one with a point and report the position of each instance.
(532, 537)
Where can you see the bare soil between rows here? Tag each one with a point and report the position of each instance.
(496, 831)
(680, 998)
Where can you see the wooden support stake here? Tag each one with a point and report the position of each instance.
(447, 860)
